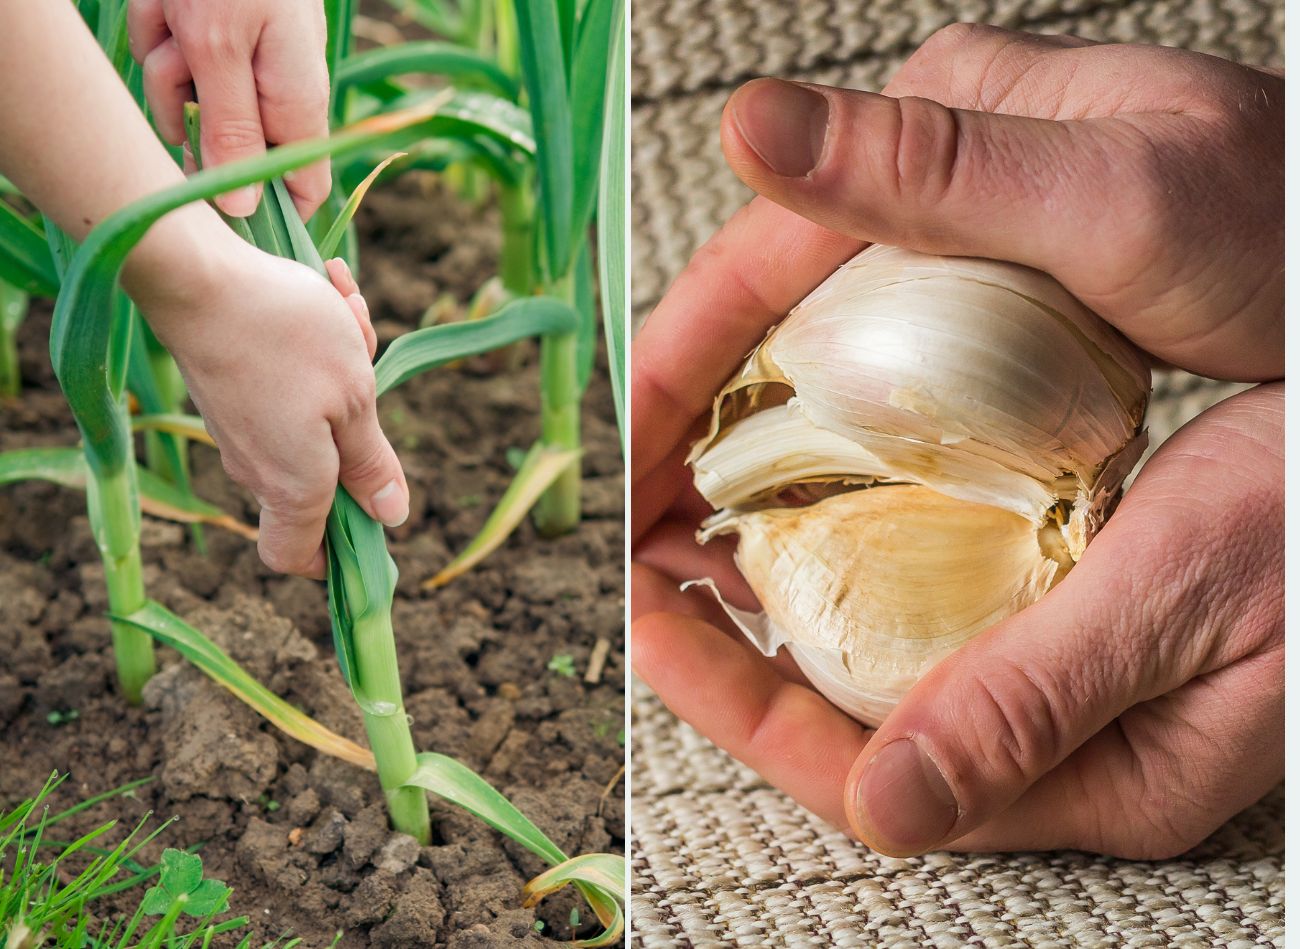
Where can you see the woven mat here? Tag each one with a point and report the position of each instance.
(719, 857)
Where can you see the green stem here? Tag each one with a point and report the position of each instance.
(11, 382)
(517, 239)
(387, 726)
(559, 509)
(13, 309)
(115, 518)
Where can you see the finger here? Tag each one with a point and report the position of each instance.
(787, 732)
(1150, 785)
(146, 27)
(369, 469)
(294, 85)
(761, 263)
(655, 592)
(289, 538)
(670, 548)
(987, 723)
(341, 276)
(292, 522)
(231, 127)
(168, 85)
(666, 484)
(917, 174)
(361, 310)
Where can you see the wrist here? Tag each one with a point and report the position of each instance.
(183, 258)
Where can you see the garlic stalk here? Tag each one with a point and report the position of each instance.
(961, 428)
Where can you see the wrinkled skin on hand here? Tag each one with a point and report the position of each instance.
(1139, 704)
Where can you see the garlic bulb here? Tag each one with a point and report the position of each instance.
(953, 431)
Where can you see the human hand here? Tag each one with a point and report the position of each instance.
(985, 196)
(1131, 711)
(279, 363)
(258, 67)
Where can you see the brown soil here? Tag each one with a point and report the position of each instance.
(474, 655)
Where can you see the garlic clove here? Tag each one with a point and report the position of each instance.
(971, 376)
(762, 453)
(963, 426)
(873, 587)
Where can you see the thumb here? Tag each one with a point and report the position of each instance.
(915, 173)
(984, 726)
(369, 470)
(988, 722)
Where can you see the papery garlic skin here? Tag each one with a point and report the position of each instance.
(981, 420)
(938, 571)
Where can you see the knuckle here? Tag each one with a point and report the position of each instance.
(281, 558)
(369, 465)
(234, 134)
(161, 72)
(356, 396)
(1020, 718)
(298, 502)
(941, 45)
(312, 185)
(275, 557)
(237, 470)
(918, 144)
(216, 42)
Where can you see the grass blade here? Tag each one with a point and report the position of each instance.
(429, 57)
(187, 426)
(541, 467)
(13, 310)
(442, 19)
(25, 258)
(541, 54)
(452, 781)
(169, 629)
(436, 346)
(159, 498)
(330, 242)
(338, 46)
(611, 227)
(584, 301)
(588, 86)
(602, 879)
(63, 466)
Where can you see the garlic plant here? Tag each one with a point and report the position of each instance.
(923, 447)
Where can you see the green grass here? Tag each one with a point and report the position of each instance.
(49, 887)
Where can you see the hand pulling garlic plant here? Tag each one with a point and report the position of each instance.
(922, 448)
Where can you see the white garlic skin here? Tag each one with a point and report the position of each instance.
(986, 383)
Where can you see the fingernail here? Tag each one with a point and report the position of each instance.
(903, 805)
(241, 202)
(365, 307)
(784, 122)
(391, 506)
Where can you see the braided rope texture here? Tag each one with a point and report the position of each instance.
(719, 857)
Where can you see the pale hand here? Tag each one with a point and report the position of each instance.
(258, 68)
(279, 363)
(1139, 705)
